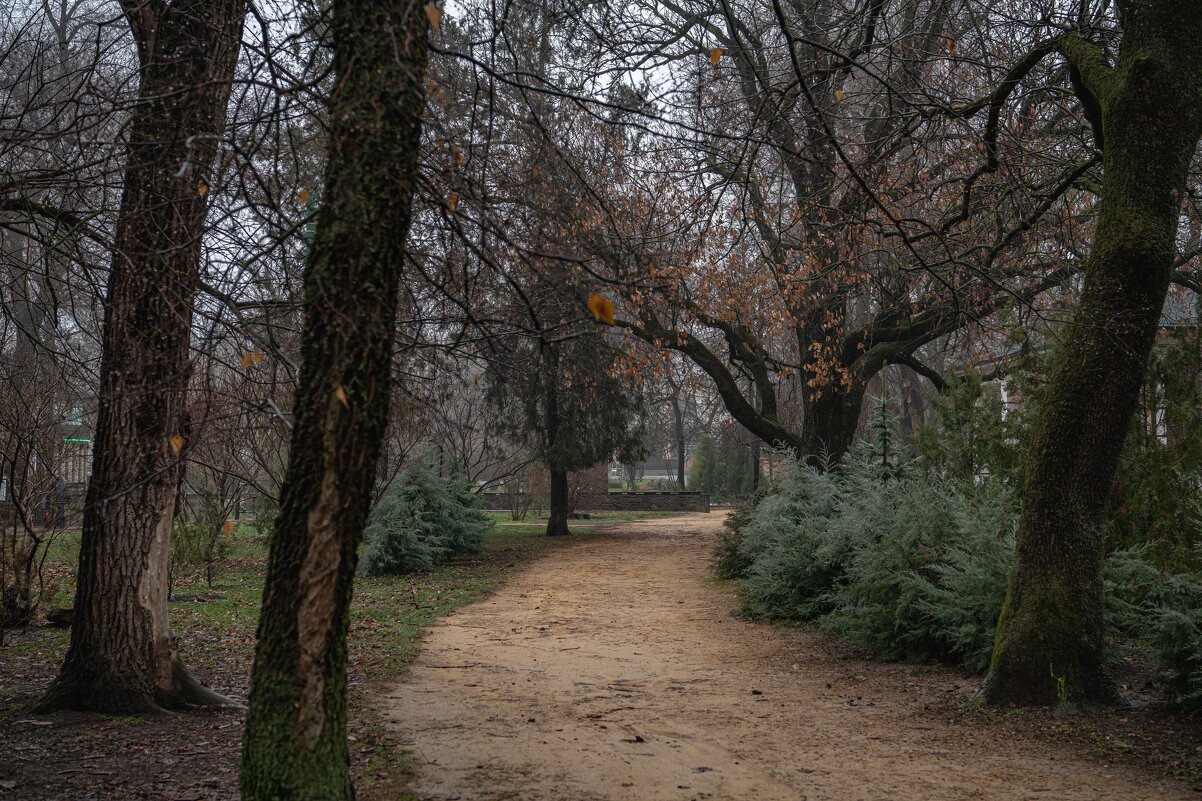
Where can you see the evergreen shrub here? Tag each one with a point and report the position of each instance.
(729, 562)
(1144, 600)
(927, 577)
(911, 567)
(422, 519)
(794, 547)
(1178, 638)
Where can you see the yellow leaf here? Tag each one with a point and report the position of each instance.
(228, 529)
(602, 309)
(715, 54)
(838, 94)
(302, 197)
(177, 443)
(434, 14)
(202, 188)
(340, 394)
(248, 359)
(452, 202)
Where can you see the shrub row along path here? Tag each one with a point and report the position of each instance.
(614, 669)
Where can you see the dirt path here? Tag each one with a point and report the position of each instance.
(613, 669)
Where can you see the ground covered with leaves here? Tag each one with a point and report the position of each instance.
(193, 756)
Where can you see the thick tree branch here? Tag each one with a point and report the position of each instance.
(760, 423)
(923, 370)
(1095, 73)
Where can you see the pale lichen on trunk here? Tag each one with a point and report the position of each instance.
(315, 615)
(152, 599)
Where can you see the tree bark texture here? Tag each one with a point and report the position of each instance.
(831, 418)
(122, 657)
(681, 440)
(1049, 647)
(557, 503)
(295, 745)
(557, 520)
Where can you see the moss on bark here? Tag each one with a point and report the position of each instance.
(1050, 639)
(294, 746)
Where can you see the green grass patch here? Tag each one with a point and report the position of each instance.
(216, 625)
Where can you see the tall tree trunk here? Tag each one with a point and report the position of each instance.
(678, 425)
(756, 465)
(557, 522)
(294, 746)
(122, 656)
(1049, 637)
(830, 419)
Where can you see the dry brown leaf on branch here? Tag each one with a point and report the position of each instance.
(602, 309)
(177, 443)
(340, 394)
(434, 14)
(716, 53)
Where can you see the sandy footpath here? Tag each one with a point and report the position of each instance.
(614, 669)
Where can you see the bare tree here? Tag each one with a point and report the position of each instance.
(122, 655)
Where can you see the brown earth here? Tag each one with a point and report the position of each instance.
(615, 669)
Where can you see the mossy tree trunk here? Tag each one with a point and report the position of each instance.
(1050, 641)
(122, 657)
(295, 745)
